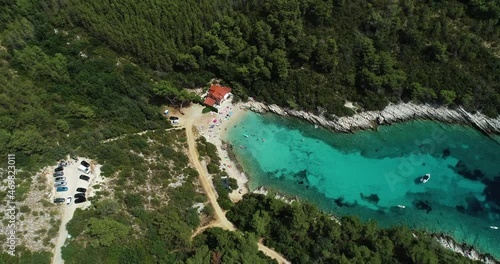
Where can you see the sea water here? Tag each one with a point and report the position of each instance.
(376, 174)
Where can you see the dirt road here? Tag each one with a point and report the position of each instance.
(272, 254)
(220, 217)
(207, 185)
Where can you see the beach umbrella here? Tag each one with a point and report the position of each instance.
(215, 120)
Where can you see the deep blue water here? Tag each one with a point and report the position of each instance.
(370, 173)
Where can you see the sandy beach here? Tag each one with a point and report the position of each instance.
(213, 127)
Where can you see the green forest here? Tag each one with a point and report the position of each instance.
(311, 54)
(304, 234)
(74, 73)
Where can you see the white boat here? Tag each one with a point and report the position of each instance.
(425, 178)
(494, 227)
(401, 206)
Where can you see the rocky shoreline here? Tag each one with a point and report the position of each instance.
(464, 249)
(444, 240)
(393, 113)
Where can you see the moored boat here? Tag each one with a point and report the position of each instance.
(425, 178)
(494, 227)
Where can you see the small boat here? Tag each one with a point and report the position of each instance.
(241, 146)
(401, 206)
(494, 227)
(245, 135)
(425, 178)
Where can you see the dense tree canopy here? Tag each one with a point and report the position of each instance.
(76, 72)
(303, 234)
(309, 53)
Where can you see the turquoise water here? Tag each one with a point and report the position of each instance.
(370, 173)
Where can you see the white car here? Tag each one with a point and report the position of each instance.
(58, 179)
(84, 169)
(60, 184)
(68, 201)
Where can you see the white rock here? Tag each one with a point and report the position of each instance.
(393, 113)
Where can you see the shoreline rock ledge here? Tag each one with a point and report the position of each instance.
(393, 113)
(464, 249)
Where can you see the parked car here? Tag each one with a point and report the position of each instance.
(60, 184)
(84, 163)
(58, 173)
(61, 189)
(80, 189)
(174, 120)
(79, 195)
(60, 179)
(59, 169)
(80, 200)
(63, 163)
(68, 201)
(84, 169)
(59, 200)
(85, 178)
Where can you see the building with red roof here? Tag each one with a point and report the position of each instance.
(216, 95)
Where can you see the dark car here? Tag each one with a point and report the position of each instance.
(80, 189)
(59, 169)
(84, 163)
(80, 200)
(79, 195)
(173, 118)
(85, 178)
(59, 200)
(58, 173)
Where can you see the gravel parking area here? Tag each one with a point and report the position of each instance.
(73, 181)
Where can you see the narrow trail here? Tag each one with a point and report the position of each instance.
(137, 133)
(220, 217)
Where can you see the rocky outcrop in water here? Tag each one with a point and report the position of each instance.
(393, 113)
(464, 249)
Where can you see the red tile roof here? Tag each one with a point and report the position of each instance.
(209, 101)
(218, 92)
(215, 94)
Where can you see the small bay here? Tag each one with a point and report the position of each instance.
(376, 174)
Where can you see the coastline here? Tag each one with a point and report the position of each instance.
(463, 249)
(228, 115)
(445, 240)
(361, 121)
(393, 113)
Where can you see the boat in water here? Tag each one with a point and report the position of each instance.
(494, 227)
(401, 206)
(425, 178)
(242, 147)
(245, 135)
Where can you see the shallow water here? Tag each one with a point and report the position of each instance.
(370, 173)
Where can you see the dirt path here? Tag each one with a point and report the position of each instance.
(220, 217)
(272, 254)
(138, 133)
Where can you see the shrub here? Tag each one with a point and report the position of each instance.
(25, 209)
(212, 168)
